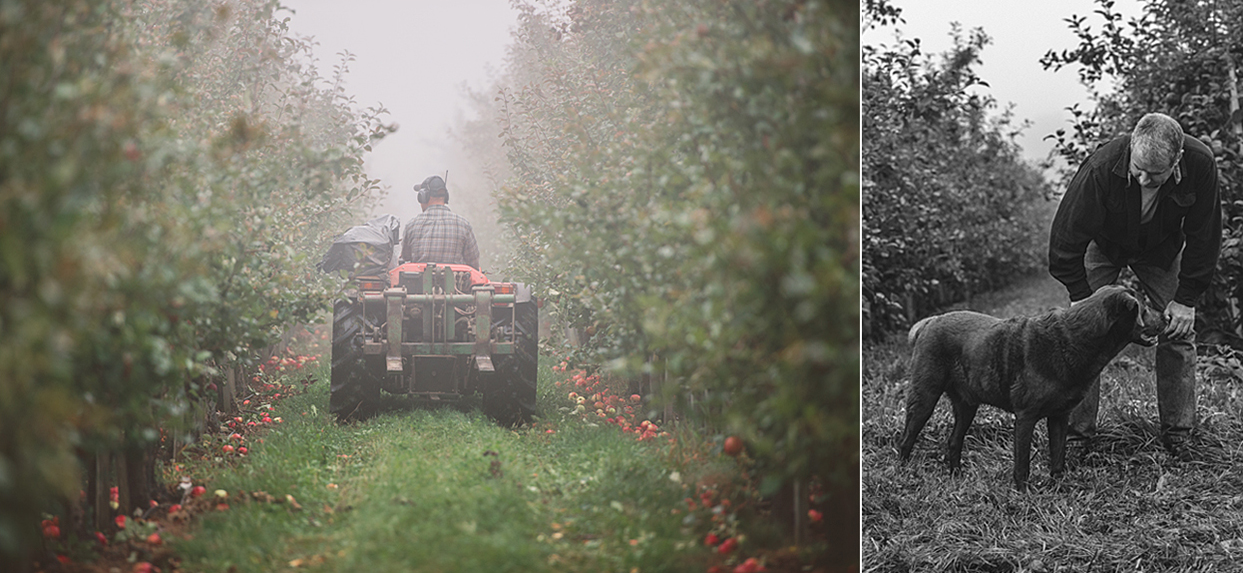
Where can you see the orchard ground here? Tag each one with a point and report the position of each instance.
(595, 484)
(1126, 506)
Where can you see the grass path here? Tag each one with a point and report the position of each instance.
(421, 489)
(1126, 507)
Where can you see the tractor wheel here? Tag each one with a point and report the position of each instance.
(509, 393)
(355, 391)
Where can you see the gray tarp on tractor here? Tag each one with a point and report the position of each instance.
(369, 246)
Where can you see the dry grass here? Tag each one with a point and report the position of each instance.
(1127, 506)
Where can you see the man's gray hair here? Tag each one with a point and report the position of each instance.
(1157, 137)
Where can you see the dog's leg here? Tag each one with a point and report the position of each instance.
(921, 400)
(964, 414)
(1057, 425)
(1024, 426)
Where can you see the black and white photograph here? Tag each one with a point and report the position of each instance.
(1051, 320)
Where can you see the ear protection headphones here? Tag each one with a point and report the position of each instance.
(425, 188)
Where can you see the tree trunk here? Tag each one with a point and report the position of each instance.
(122, 480)
(800, 511)
(1236, 127)
(670, 414)
(92, 486)
(228, 391)
(140, 474)
(279, 347)
(103, 512)
(1236, 124)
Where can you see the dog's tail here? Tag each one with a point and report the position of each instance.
(914, 333)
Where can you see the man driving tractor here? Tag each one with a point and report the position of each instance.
(434, 327)
(438, 235)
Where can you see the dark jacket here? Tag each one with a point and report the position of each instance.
(1102, 204)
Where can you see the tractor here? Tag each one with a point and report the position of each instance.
(439, 332)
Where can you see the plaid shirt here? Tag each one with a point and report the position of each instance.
(439, 235)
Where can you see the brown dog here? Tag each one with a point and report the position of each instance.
(1036, 367)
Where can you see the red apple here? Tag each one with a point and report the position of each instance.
(751, 565)
(197, 491)
(733, 446)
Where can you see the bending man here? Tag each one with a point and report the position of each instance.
(1148, 201)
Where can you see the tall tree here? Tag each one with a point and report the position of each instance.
(685, 181)
(167, 170)
(950, 207)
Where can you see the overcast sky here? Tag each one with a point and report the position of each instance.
(414, 57)
(1022, 31)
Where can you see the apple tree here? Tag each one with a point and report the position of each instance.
(950, 207)
(169, 170)
(684, 184)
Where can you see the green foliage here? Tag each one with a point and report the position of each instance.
(950, 207)
(1181, 59)
(167, 171)
(275, 172)
(685, 183)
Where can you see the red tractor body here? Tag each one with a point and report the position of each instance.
(438, 332)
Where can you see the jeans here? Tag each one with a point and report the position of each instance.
(1176, 358)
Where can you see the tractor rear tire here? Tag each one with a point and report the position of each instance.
(355, 391)
(509, 393)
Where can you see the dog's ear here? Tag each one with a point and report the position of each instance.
(1128, 300)
(1120, 310)
(1134, 304)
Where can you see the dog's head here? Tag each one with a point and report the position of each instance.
(1129, 312)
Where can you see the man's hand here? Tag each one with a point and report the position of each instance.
(1180, 320)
